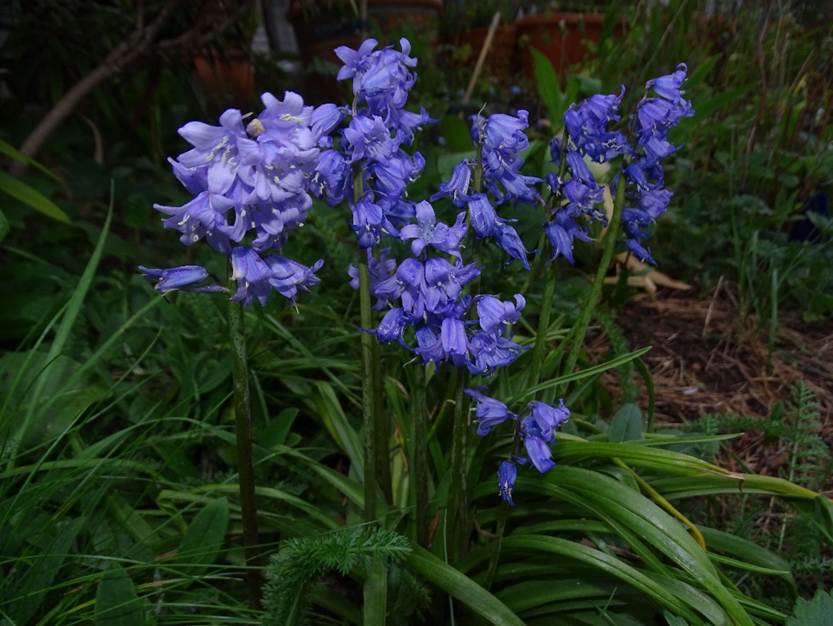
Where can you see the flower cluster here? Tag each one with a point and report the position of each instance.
(655, 117)
(590, 136)
(426, 293)
(371, 144)
(536, 430)
(501, 140)
(250, 185)
(426, 307)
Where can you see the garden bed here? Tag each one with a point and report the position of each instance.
(706, 361)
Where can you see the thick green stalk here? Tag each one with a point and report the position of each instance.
(368, 392)
(382, 428)
(419, 456)
(538, 352)
(580, 329)
(375, 584)
(458, 488)
(245, 465)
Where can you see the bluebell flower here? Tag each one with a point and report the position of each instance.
(537, 447)
(554, 182)
(252, 274)
(427, 232)
(633, 244)
(587, 124)
(386, 76)
(186, 277)
(490, 352)
(381, 81)
(257, 278)
(489, 412)
(202, 217)
(668, 86)
(507, 475)
(484, 219)
(517, 187)
(354, 60)
(215, 149)
(495, 314)
(457, 187)
(368, 222)
(393, 176)
(289, 277)
(324, 120)
(429, 346)
(548, 418)
(506, 133)
(332, 175)
(561, 231)
(287, 113)
(508, 239)
(503, 138)
(410, 277)
(654, 202)
(439, 287)
(454, 340)
(368, 137)
(392, 325)
(408, 122)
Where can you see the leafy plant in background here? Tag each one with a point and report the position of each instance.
(793, 428)
(759, 145)
(612, 511)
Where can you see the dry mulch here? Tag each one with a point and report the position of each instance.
(707, 360)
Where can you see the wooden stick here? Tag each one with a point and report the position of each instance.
(482, 57)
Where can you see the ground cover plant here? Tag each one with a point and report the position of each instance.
(388, 381)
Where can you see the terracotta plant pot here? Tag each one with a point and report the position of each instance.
(560, 36)
(229, 73)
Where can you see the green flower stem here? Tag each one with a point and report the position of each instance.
(580, 329)
(539, 351)
(245, 465)
(458, 487)
(368, 395)
(375, 584)
(419, 455)
(382, 429)
(537, 265)
(457, 509)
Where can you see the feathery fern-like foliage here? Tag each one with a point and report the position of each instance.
(300, 562)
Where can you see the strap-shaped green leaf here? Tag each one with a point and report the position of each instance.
(460, 586)
(31, 197)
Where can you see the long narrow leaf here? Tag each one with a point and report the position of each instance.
(31, 197)
(460, 586)
(590, 371)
